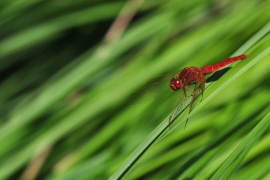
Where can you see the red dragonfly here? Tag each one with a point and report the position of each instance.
(182, 80)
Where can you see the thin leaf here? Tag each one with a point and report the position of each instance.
(229, 166)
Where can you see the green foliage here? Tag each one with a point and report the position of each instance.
(65, 90)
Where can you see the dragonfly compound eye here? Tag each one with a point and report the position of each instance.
(175, 84)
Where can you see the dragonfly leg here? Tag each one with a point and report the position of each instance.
(202, 92)
(191, 103)
(202, 85)
(199, 88)
(190, 107)
(193, 97)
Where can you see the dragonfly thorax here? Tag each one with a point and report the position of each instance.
(176, 84)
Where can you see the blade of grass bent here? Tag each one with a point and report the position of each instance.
(125, 167)
(230, 164)
(131, 160)
(244, 69)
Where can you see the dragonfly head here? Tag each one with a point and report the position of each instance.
(176, 84)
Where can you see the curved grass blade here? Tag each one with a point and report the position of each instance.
(229, 165)
(244, 69)
(193, 166)
(132, 159)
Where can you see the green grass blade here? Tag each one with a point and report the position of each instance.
(131, 160)
(233, 161)
(244, 69)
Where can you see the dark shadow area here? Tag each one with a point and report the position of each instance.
(217, 75)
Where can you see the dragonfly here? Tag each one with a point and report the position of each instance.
(188, 80)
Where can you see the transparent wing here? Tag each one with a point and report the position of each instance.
(154, 88)
(162, 78)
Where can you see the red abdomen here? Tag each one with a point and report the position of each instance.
(212, 68)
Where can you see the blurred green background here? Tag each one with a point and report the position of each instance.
(69, 67)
